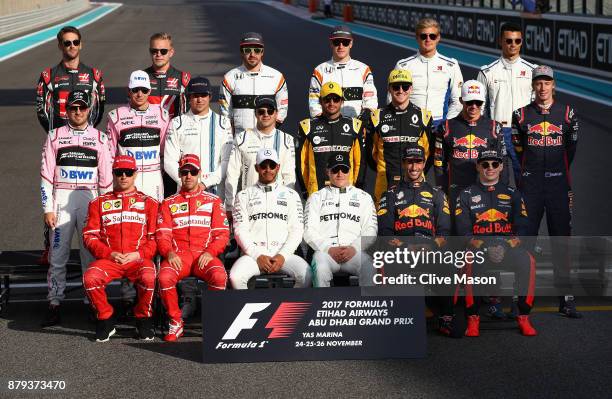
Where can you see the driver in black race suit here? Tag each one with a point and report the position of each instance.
(325, 135)
(493, 216)
(545, 136)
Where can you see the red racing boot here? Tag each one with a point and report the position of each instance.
(525, 326)
(175, 332)
(473, 326)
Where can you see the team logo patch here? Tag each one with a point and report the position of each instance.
(137, 205)
(346, 128)
(172, 83)
(132, 200)
(204, 207)
(426, 194)
(503, 196)
(107, 205)
(83, 77)
(173, 208)
(476, 198)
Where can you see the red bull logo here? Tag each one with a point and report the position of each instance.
(491, 215)
(413, 211)
(470, 141)
(545, 129)
(550, 135)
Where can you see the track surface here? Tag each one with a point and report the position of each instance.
(501, 363)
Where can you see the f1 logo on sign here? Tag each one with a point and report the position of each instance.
(282, 322)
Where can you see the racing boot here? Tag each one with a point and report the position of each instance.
(145, 329)
(447, 327)
(525, 326)
(567, 307)
(175, 331)
(52, 317)
(473, 326)
(104, 330)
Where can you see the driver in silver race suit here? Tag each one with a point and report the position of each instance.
(337, 218)
(268, 225)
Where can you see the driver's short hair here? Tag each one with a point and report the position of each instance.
(426, 23)
(161, 36)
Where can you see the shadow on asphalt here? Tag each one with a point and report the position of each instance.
(191, 351)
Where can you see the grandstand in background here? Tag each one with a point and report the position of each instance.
(582, 7)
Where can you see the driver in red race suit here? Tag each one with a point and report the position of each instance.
(120, 233)
(192, 232)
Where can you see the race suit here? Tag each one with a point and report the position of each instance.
(124, 223)
(508, 86)
(357, 84)
(496, 216)
(391, 132)
(545, 142)
(141, 134)
(318, 138)
(458, 144)
(340, 217)
(241, 163)
(436, 85)
(414, 209)
(209, 137)
(268, 220)
(239, 89)
(168, 90)
(54, 86)
(418, 210)
(190, 224)
(76, 166)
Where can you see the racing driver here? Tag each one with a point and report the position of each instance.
(437, 78)
(192, 232)
(139, 130)
(75, 168)
(326, 134)
(493, 216)
(268, 225)
(354, 77)
(120, 233)
(244, 83)
(413, 208)
(337, 218)
(395, 127)
(545, 136)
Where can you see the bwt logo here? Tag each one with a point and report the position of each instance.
(282, 322)
(76, 174)
(140, 155)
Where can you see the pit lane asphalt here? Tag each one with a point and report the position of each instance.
(564, 360)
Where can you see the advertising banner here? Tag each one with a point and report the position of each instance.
(311, 324)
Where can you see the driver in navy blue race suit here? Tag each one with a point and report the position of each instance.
(413, 208)
(545, 135)
(493, 216)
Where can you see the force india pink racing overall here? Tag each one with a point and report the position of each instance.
(76, 166)
(141, 134)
